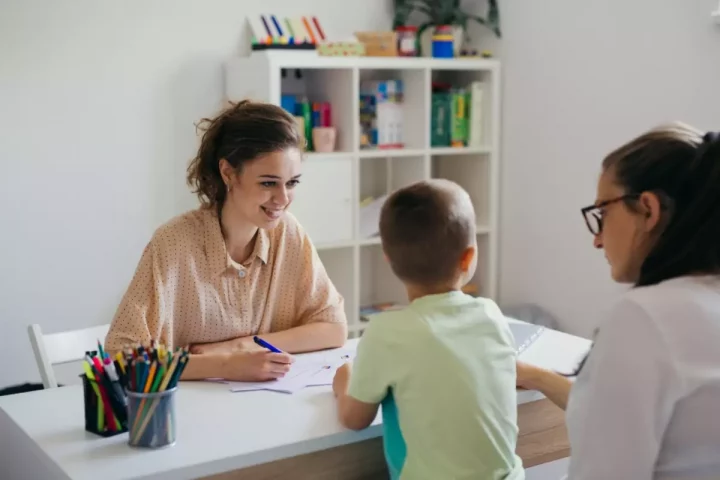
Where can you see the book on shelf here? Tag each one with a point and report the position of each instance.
(475, 114)
(368, 311)
(456, 116)
(381, 114)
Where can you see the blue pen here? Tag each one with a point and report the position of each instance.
(265, 344)
(277, 25)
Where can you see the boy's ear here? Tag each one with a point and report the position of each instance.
(467, 258)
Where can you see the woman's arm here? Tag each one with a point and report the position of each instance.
(200, 367)
(623, 399)
(321, 321)
(554, 386)
(309, 337)
(238, 366)
(305, 338)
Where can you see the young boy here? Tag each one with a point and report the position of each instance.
(443, 368)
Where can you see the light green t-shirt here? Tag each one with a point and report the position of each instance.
(444, 370)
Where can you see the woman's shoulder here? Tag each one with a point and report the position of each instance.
(676, 293)
(668, 307)
(182, 231)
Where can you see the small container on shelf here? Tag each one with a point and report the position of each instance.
(341, 49)
(443, 42)
(324, 139)
(407, 40)
(378, 44)
(314, 121)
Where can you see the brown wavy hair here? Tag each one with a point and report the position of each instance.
(241, 133)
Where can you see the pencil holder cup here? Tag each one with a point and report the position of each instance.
(324, 139)
(99, 419)
(151, 419)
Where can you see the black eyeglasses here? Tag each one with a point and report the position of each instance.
(593, 214)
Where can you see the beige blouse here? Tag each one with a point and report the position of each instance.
(188, 290)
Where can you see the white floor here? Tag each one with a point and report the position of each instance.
(548, 471)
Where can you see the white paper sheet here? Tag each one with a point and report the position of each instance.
(311, 369)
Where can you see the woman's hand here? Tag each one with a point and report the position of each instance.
(228, 346)
(256, 365)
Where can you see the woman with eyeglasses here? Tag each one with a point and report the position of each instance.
(646, 401)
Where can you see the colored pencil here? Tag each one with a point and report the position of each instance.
(142, 369)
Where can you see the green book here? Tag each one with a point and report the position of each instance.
(458, 133)
(440, 119)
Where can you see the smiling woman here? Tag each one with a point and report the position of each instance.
(238, 266)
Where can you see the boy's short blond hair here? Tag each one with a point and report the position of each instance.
(425, 229)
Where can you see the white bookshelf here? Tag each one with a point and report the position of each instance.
(327, 202)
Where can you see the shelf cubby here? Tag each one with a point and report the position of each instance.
(378, 285)
(338, 264)
(326, 85)
(415, 86)
(473, 175)
(329, 200)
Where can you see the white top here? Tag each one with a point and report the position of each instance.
(42, 433)
(647, 403)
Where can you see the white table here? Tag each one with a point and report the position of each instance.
(42, 433)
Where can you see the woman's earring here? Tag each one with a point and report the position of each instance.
(229, 187)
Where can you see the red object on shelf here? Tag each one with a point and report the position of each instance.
(407, 41)
(325, 114)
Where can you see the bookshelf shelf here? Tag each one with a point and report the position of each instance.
(391, 152)
(330, 155)
(460, 151)
(339, 189)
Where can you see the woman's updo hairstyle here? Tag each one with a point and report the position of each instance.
(681, 166)
(239, 134)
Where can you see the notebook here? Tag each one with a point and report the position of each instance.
(525, 334)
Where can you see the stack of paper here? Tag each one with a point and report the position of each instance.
(308, 370)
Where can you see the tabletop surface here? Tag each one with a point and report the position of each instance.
(217, 430)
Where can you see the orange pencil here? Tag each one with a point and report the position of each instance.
(151, 410)
(309, 29)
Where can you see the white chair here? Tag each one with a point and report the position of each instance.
(64, 347)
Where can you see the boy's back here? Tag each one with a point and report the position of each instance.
(444, 370)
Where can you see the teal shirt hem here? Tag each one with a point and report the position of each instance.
(393, 440)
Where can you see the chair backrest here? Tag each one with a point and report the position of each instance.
(64, 347)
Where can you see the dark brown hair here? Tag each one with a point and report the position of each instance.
(239, 134)
(682, 167)
(425, 228)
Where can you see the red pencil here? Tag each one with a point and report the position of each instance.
(317, 25)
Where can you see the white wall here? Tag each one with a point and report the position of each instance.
(581, 78)
(97, 104)
(98, 100)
